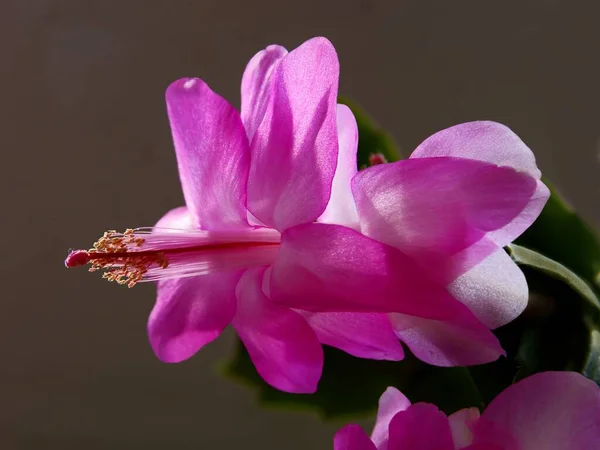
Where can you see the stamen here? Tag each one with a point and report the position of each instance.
(143, 254)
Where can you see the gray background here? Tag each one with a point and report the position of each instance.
(85, 146)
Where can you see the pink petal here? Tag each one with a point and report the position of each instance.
(360, 334)
(352, 437)
(331, 268)
(282, 346)
(447, 343)
(437, 207)
(255, 86)
(191, 312)
(177, 219)
(391, 402)
(341, 209)
(294, 150)
(495, 290)
(485, 141)
(420, 427)
(461, 423)
(549, 410)
(496, 144)
(212, 154)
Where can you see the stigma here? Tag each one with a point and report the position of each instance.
(152, 254)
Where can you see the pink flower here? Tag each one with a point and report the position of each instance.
(547, 411)
(284, 240)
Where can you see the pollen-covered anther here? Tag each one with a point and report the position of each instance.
(121, 256)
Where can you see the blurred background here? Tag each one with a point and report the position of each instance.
(85, 147)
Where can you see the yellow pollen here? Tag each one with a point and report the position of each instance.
(113, 253)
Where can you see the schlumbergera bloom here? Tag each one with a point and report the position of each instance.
(284, 240)
(547, 411)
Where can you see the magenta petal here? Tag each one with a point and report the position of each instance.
(281, 344)
(360, 334)
(485, 141)
(255, 86)
(212, 154)
(391, 402)
(294, 149)
(437, 207)
(420, 427)
(447, 343)
(191, 312)
(177, 218)
(461, 423)
(341, 209)
(352, 437)
(493, 143)
(549, 410)
(331, 268)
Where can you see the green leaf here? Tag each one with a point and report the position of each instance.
(560, 234)
(372, 138)
(350, 387)
(561, 328)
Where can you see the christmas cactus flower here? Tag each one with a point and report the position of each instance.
(284, 240)
(548, 410)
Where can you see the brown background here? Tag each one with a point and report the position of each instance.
(85, 146)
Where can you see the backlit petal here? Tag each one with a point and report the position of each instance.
(391, 402)
(341, 208)
(191, 312)
(360, 334)
(255, 86)
(212, 154)
(294, 149)
(548, 410)
(420, 427)
(281, 344)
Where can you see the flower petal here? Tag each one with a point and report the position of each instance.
(281, 344)
(177, 219)
(212, 154)
(191, 312)
(495, 290)
(294, 149)
(435, 208)
(548, 410)
(352, 437)
(493, 143)
(331, 268)
(341, 209)
(363, 335)
(485, 141)
(391, 402)
(420, 427)
(460, 424)
(255, 86)
(447, 343)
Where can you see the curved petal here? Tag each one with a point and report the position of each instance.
(282, 346)
(548, 410)
(352, 437)
(447, 343)
(331, 268)
(495, 290)
(420, 427)
(493, 143)
(341, 209)
(294, 150)
(255, 86)
(436, 208)
(461, 423)
(177, 219)
(391, 402)
(212, 154)
(191, 312)
(362, 335)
